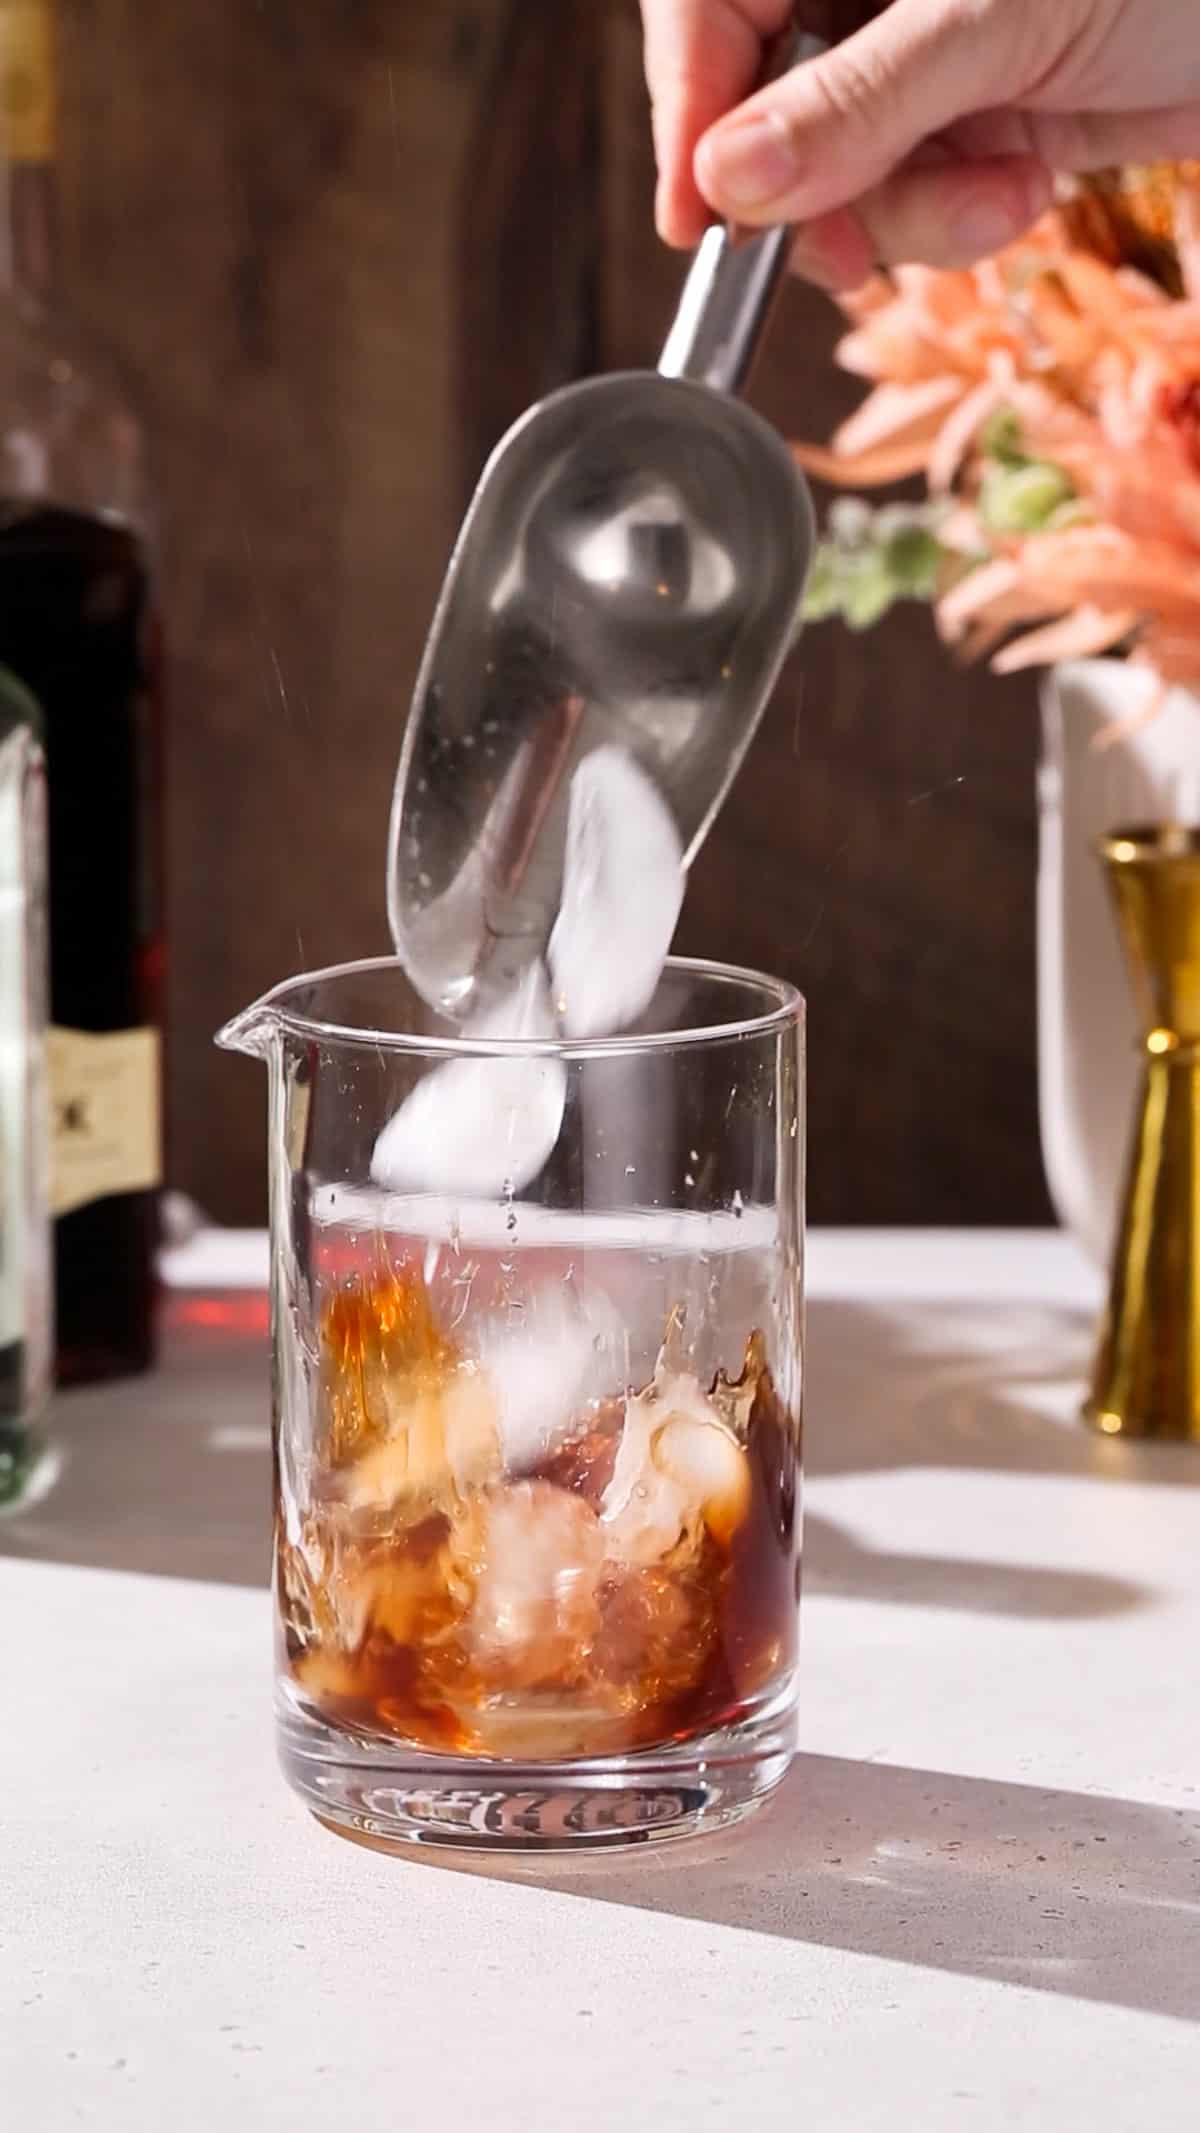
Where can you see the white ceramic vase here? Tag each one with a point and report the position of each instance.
(1101, 769)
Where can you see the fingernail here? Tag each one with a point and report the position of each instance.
(748, 163)
(660, 210)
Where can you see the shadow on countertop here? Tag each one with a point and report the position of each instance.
(991, 1387)
(1057, 1891)
(170, 1474)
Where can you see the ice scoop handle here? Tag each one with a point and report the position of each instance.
(735, 275)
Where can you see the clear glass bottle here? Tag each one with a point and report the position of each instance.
(26, 1299)
(78, 625)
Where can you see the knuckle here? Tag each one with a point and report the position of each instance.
(849, 87)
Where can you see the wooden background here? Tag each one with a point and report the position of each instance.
(340, 245)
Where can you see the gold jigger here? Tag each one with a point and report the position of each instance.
(1146, 1381)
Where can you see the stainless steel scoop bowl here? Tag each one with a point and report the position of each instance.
(630, 572)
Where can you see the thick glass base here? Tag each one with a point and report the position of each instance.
(393, 1797)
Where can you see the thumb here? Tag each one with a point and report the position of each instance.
(837, 126)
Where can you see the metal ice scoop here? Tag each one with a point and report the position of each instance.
(629, 573)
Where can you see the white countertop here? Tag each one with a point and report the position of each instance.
(975, 1905)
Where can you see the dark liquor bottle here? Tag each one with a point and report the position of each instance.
(78, 625)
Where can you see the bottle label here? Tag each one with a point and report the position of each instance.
(27, 103)
(107, 1130)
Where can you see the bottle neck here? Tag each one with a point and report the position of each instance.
(28, 191)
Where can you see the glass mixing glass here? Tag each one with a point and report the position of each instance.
(537, 1453)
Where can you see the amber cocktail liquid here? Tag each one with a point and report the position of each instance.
(537, 1515)
(632, 1585)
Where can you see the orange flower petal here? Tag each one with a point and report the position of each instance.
(1081, 635)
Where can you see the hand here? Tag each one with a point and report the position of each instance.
(930, 134)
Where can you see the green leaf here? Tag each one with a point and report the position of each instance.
(868, 601)
(1000, 439)
(824, 595)
(870, 559)
(1016, 500)
(914, 560)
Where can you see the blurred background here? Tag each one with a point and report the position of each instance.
(339, 246)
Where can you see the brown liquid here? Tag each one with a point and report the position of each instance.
(435, 1624)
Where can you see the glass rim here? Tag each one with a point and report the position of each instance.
(786, 1012)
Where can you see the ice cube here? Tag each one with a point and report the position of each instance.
(623, 881)
(481, 1127)
(537, 1554)
(530, 1727)
(547, 1369)
(679, 1472)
